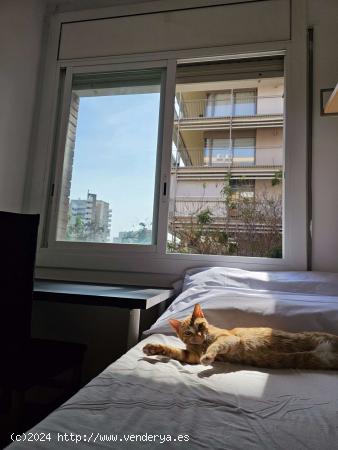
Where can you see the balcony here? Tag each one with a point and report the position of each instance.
(250, 112)
(184, 213)
(209, 164)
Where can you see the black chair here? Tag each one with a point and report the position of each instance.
(26, 362)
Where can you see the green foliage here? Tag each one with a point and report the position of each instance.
(204, 217)
(276, 252)
(140, 236)
(79, 230)
(255, 230)
(222, 237)
(277, 179)
(227, 190)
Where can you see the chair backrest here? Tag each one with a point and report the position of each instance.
(18, 238)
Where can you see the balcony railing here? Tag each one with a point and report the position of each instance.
(236, 157)
(184, 212)
(250, 106)
(185, 209)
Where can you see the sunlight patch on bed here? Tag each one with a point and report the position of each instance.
(252, 384)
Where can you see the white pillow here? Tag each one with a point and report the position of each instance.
(291, 301)
(228, 307)
(322, 283)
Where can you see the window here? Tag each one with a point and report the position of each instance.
(219, 104)
(108, 184)
(244, 150)
(227, 173)
(226, 152)
(242, 188)
(219, 192)
(217, 152)
(245, 103)
(230, 103)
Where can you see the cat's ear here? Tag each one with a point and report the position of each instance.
(198, 313)
(175, 324)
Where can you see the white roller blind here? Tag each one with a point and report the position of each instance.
(212, 26)
(231, 70)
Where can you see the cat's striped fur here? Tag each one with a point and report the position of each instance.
(261, 347)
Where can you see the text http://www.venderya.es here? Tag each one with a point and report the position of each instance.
(98, 437)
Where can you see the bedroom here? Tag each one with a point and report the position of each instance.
(53, 44)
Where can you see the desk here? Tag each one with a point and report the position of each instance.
(133, 298)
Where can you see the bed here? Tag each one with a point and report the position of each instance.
(152, 402)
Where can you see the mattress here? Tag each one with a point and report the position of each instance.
(154, 402)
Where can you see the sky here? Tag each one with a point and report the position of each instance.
(115, 155)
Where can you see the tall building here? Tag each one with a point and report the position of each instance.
(89, 220)
(227, 160)
(103, 218)
(64, 207)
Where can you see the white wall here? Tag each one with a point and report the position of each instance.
(21, 23)
(323, 16)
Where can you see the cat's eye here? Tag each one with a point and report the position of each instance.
(188, 333)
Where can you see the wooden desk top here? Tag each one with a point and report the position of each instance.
(129, 297)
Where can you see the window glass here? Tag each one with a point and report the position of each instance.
(109, 168)
(226, 195)
(219, 104)
(218, 152)
(242, 188)
(244, 103)
(244, 151)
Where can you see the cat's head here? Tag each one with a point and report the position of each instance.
(192, 330)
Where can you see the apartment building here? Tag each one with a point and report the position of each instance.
(89, 220)
(227, 152)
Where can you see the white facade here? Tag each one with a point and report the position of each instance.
(206, 154)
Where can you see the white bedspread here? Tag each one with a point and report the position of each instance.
(224, 407)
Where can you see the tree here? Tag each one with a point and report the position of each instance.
(247, 226)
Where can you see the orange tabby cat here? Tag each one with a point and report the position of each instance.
(261, 347)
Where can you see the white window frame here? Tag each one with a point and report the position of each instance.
(99, 261)
(50, 240)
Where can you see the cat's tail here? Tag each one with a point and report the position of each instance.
(327, 360)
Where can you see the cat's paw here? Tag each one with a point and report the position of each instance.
(207, 359)
(153, 349)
